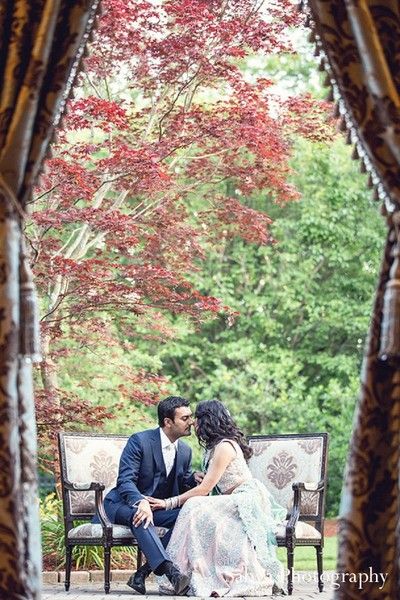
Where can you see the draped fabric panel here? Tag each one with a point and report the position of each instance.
(41, 44)
(359, 45)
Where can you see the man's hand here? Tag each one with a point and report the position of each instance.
(143, 515)
(156, 503)
(198, 476)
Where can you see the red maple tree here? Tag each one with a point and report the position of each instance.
(152, 163)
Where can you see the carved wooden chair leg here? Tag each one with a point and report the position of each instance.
(319, 567)
(107, 567)
(290, 562)
(68, 565)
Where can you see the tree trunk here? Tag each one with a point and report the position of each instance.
(48, 370)
(49, 378)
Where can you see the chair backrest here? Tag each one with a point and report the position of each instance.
(281, 460)
(87, 457)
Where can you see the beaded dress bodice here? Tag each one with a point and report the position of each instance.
(236, 472)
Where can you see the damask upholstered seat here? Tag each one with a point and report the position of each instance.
(293, 467)
(89, 468)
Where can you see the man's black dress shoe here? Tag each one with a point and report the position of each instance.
(178, 580)
(137, 580)
(277, 591)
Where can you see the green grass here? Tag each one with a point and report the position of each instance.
(305, 557)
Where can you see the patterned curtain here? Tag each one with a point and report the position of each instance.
(41, 44)
(359, 45)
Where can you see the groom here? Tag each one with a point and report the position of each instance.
(154, 463)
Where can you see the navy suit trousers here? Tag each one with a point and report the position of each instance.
(149, 543)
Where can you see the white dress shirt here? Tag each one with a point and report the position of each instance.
(168, 449)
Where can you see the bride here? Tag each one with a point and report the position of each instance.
(225, 543)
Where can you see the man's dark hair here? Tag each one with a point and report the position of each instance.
(166, 408)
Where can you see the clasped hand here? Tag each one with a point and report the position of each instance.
(143, 515)
(198, 476)
(156, 503)
(175, 502)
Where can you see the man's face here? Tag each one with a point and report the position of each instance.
(181, 425)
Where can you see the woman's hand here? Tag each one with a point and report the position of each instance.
(143, 515)
(198, 476)
(156, 503)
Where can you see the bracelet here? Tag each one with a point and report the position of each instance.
(171, 503)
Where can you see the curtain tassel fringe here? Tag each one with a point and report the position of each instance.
(29, 317)
(390, 329)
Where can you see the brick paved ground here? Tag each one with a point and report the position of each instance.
(305, 589)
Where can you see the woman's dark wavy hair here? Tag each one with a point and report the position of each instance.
(214, 423)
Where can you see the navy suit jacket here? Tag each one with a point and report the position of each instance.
(142, 468)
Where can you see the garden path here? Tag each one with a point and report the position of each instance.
(305, 589)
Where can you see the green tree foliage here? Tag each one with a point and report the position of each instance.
(291, 360)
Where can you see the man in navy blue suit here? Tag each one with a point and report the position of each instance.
(154, 463)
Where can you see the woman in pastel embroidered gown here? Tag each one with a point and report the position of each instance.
(225, 543)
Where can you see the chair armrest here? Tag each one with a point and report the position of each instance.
(309, 486)
(297, 488)
(104, 520)
(83, 487)
(98, 489)
(293, 516)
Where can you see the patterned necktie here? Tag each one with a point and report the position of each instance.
(169, 458)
